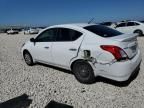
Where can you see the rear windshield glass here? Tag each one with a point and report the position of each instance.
(103, 31)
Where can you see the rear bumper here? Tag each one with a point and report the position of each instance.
(121, 71)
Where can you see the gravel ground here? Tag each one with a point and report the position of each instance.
(44, 83)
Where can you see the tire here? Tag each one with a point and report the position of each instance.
(83, 72)
(140, 33)
(28, 58)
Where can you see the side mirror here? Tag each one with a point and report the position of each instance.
(32, 39)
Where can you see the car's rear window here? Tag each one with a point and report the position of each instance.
(102, 31)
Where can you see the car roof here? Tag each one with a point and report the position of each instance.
(130, 21)
(135, 21)
(73, 25)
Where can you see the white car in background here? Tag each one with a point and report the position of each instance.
(31, 31)
(108, 24)
(88, 50)
(11, 31)
(131, 27)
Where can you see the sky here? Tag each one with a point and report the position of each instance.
(50, 12)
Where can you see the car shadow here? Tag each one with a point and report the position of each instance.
(56, 68)
(101, 79)
(22, 101)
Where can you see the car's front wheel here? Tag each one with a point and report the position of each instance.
(83, 72)
(139, 32)
(28, 58)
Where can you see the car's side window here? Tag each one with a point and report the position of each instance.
(137, 24)
(65, 34)
(130, 24)
(121, 25)
(47, 36)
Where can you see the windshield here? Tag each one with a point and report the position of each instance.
(103, 31)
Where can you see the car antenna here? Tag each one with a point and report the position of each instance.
(91, 20)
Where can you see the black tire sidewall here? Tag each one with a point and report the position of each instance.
(31, 60)
(88, 80)
(140, 33)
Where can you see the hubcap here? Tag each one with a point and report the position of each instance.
(83, 71)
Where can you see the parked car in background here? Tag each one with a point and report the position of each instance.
(12, 31)
(108, 24)
(31, 31)
(131, 27)
(88, 50)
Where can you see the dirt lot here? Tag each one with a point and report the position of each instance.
(44, 83)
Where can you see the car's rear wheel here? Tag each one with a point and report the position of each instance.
(28, 58)
(83, 72)
(139, 32)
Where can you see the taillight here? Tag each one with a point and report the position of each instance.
(116, 51)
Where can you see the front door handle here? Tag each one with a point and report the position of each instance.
(46, 47)
(72, 49)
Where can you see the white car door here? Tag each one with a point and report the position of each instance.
(43, 46)
(121, 27)
(66, 46)
(132, 26)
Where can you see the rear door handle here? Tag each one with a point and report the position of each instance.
(46, 47)
(72, 49)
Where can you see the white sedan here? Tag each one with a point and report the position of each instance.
(131, 27)
(31, 31)
(12, 31)
(88, 50)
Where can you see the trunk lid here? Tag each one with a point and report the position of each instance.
(128, 42)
